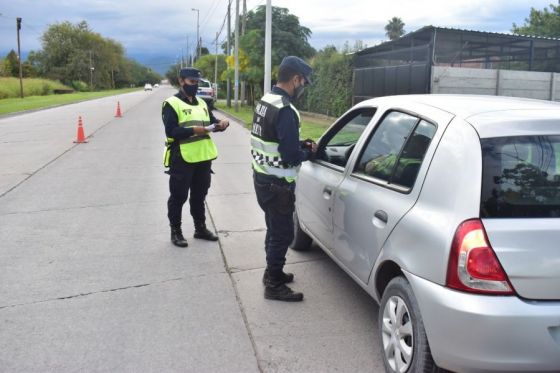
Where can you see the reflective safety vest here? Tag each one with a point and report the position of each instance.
(197, 148)
(382, 166)
(264, 139)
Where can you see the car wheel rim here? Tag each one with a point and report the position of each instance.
(397, 331)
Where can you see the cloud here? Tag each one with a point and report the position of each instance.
(163, 27)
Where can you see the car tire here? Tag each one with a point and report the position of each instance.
(301, 242)
(398, 309)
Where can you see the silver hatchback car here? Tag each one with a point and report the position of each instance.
(446, 210)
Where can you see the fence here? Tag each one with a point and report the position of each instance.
(529, 84)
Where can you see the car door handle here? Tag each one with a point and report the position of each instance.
(381, 215)
(327, 193)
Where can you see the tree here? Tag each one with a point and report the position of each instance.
(288, 38)
(172, 74)
(395, 28)
(11, 64)
(207, 63)
(71, 51)
(332, 72)
(541, 23)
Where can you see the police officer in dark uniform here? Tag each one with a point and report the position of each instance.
(277, 154)
(189, 154)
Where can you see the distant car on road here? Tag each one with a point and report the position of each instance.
(446, 210)
(147, 87)
(156, 85)
(206, 92)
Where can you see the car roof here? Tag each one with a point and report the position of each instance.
(484, 113)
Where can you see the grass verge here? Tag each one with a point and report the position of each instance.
(311, 127)
(14, 105)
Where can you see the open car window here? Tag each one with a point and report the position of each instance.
(337, 144)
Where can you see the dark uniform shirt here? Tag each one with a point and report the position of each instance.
(287, 128)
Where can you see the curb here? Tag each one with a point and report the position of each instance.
(233, 117)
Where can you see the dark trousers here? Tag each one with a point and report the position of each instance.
(276, 198)
(193, 177)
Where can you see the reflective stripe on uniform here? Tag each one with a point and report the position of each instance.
(290, 172)
(264, 146)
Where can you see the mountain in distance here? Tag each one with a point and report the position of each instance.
(157, 62)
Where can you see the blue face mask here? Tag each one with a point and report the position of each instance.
(190, 90)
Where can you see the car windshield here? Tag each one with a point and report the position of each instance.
(521, 177)
(203, 84)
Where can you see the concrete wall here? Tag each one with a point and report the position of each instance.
(531, 84)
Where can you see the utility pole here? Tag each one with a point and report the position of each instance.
(236, 83)
(243, 25)
(268, 48)
(188, 51)
(197, 32)
(216, 68)
(228, 51)
(18, 23)
(91, 68)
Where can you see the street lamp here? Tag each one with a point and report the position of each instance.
(197, 30)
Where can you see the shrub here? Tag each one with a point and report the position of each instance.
(80, 86)
(9, 87)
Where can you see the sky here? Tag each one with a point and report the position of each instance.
(156, 33)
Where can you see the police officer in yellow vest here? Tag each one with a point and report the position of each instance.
(277, 154)
(189, 154)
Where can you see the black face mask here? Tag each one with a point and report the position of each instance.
(190, 90)
(298, 92)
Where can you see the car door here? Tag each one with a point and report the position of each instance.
(319, 179)
(381, 187)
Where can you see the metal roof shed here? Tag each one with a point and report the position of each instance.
(405, 65)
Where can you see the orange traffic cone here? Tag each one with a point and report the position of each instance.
(80, 137)
(118, 115)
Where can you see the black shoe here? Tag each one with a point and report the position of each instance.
(177, 237)
(205, 234)
(282, 293)
(283, 278)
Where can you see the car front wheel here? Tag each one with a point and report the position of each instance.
(403, 337)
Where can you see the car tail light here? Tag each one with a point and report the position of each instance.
(473, 265)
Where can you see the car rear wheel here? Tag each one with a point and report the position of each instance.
(403, 338)
(301, 242)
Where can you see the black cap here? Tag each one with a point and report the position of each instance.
(190, 73)
(299, 65)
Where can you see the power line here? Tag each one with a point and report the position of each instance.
(211, 11)
(213, 8)
(223, 24)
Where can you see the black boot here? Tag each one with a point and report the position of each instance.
(285, 278)
(200, 231)
(275, 289)
(177, 236)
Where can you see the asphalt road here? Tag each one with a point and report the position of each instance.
(89, 281)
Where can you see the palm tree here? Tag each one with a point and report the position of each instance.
(395, 28)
